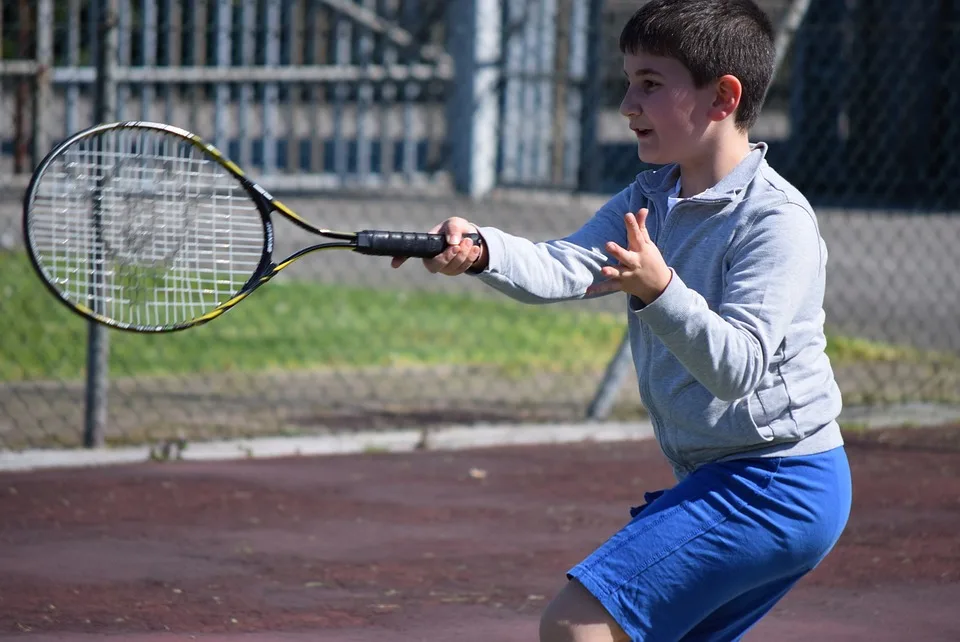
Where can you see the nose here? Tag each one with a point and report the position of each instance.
(630, 107)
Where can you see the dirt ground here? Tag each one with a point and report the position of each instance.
(431, 546)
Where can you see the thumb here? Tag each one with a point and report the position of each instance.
(455, 228)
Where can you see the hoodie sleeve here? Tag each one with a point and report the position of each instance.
(769, 276)
(555, 270)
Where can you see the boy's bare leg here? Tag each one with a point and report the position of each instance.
(575, 615)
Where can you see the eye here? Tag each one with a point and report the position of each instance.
(649, 85)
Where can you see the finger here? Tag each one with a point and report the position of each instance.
(455, 228)
(449, 262)
(604, 287)
(451, 230)
(460, 261)
(439, 262)
(621, 254)
(464, 259)
(397, 261)
(642, 216)
(642, 222)
(635, 236)
(610, 272)
(470, 252)
(433, 265)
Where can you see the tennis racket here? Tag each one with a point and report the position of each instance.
(146, 227)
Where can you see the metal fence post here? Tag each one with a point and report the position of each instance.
(617, 371)
(591, 165)
(42, 90)
(473, 108)
(224, 30)
(105, 97)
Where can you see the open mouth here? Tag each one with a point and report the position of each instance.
(643, 133)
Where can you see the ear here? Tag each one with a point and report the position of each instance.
(726, 97)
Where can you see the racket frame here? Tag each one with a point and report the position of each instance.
(265, 203)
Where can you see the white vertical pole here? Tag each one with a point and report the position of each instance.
(43, 89)
(473, 120)
(222, 91)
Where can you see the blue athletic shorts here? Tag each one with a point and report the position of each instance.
(706, 559)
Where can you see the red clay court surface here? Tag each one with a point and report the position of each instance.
(463, 546)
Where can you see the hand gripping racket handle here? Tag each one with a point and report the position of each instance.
(406, 244)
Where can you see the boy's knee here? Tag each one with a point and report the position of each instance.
(575, 615)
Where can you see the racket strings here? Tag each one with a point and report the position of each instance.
(144, 228)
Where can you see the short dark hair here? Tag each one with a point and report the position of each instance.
(711, 38)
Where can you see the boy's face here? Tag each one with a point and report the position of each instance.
(666, 112)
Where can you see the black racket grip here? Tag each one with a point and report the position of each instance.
(417, 245)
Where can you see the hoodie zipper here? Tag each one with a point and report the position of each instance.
(663, 226)
(658, 430)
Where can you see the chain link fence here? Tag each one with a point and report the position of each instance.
(344, 342)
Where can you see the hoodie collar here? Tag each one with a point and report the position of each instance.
(659, 182)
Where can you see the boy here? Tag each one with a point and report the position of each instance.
(723, 267)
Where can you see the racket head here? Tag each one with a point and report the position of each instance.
(145, 227)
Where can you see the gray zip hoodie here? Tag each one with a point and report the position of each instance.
(730, 357)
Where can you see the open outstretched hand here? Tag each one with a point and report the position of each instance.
(642, 271)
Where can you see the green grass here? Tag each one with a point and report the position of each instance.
(291, 324)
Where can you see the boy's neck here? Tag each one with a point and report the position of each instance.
(718, 159)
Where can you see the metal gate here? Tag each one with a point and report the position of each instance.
(313, 93)
(550, 95)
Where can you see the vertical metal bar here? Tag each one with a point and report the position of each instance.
(43, 82)
(317, 31)
(513, 86)
(530, 64)
(93, 40)
(618, 369)
(199, 21)
(411, 90)
(124, 47)
(561, 87)
(292, 54)
(344, 37)
(270, 97)
(473, 106)
(796, 12)
(546, 50)
(408, 163)
(72, 93)
(1, 58)
(20, 151)
(577, 76)
(224, 40)
(186, 45)
(167, 60)
(148, 53)
(388, 96)
(95, 415)
(590, 164)
(248, 43)
(364, 101)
